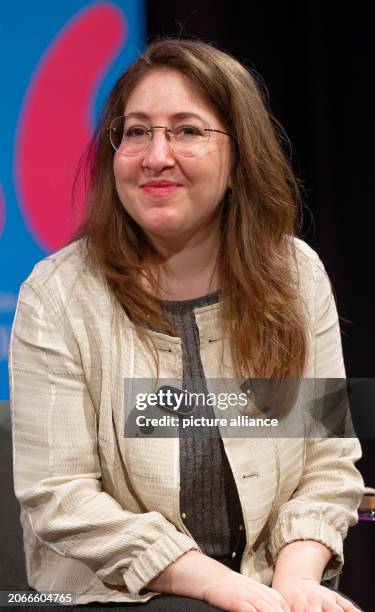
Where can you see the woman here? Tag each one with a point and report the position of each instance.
(185, 268)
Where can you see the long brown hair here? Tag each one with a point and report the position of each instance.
(260, 310)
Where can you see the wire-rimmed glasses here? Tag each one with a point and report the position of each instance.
(131, 137)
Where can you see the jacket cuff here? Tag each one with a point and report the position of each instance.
(290, 528)
(155, 559)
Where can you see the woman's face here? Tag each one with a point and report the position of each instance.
(167, 194)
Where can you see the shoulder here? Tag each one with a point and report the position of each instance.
(69, 267)
(306, 257)
(308, 265)
(66, 277)
(313, 282)
(69, 262)
(315, 287)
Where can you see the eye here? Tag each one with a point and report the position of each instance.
(188, 131)
(135, 131)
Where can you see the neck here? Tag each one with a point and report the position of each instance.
(186, 267)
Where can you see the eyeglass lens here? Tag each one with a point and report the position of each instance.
(131, 137)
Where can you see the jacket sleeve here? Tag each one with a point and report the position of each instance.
(56, 464)
(325, 503)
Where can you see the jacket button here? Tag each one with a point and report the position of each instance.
(240, 528)
(183, 515)
(234, 555)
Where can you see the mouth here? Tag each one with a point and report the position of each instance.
(160, 189)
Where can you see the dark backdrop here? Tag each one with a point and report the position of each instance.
(317, 61)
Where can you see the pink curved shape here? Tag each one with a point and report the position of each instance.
(55, 124)
(2, 211)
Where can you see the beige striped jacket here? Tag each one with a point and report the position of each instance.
(100, 512)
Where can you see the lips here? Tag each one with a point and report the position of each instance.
(160, 188)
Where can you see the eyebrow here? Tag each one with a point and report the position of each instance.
(181, 115)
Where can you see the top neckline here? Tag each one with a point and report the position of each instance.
(203, 300)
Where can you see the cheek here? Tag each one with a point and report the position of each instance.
(125, 171)
(213, 173)
(212, 185)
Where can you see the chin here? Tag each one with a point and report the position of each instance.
(164, 231)
(164, 227)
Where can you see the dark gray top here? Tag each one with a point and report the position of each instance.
(209, 501)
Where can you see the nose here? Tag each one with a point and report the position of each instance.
(159, 153)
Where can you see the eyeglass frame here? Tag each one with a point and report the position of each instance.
(150, 129)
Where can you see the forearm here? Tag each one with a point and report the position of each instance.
(189, 575)
(303, 558)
